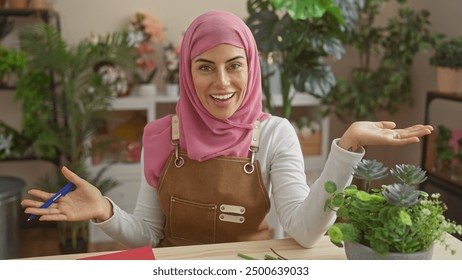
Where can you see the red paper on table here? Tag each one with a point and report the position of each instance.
(142, 253)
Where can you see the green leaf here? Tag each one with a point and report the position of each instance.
(337, 200)
(335, 234)
(330, 187)
(363, 196)
(405, 218)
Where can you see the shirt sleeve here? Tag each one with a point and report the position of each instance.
(300, 208)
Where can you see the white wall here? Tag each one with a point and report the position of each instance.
(82, 17)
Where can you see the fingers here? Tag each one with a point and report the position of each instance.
(35, 204)
(40, 194)
(387, 124)
(71, 176)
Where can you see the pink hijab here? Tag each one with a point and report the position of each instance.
(202, 135)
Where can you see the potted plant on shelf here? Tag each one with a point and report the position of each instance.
(144, 33)
(395, 221)
(11, 61)
(381, 80)
(448, 62)
(172, 64)
(63, 100)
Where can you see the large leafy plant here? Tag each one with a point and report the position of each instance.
(381, 79)
(392, 218)
(298, 36)
(63, 100)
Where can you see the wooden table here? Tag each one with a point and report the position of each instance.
(288, 248)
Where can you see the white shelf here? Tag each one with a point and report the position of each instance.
(300, 99)
(148, 104)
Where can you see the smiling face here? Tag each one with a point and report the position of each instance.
(220, 77)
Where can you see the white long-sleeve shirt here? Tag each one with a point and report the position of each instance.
(299, 207)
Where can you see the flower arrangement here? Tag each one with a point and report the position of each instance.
(172, 63)
(143, 31)
(392, 218)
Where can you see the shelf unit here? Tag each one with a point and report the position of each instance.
(450, 190)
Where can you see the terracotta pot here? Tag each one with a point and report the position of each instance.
(39, 4)
(18, 4)
(449, 80)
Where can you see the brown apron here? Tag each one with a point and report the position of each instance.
(222, 199)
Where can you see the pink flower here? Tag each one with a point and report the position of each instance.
(145, 29)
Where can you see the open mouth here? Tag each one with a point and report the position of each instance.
(222, 97)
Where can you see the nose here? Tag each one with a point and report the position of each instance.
(222, 78)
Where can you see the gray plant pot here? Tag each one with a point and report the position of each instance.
(357, 251)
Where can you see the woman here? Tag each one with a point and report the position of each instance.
(209, 171)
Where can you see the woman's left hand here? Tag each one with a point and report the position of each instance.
(365, 133)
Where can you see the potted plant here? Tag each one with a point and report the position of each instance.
(144, 32)
(297, 37)
(394, 221)
(381, 80)
(11, 61)
(172, 64)
(63, 101)
(448, 62)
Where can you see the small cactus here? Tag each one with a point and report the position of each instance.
(401, 195)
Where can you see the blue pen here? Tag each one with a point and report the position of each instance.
(62, 192)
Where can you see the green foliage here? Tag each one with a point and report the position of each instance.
(393, 218)
(11, 61)
(63, 100)
(448, 53)
(299, 44)
(308, 9)
(444, 151)
(385, 84)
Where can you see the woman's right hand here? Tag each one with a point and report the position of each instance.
(84, 203)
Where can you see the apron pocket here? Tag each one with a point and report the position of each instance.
(192, 221)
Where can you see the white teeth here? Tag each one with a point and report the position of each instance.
(223, 97)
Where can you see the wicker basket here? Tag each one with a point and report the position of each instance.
(311, 145)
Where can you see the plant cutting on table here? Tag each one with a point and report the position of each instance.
(392, 218)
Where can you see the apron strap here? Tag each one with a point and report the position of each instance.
(254, 144)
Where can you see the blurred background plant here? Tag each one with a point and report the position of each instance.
(11, 62)
(381, 80)
(63, 100)
(144, 31)
(298, 37)
(171, 54)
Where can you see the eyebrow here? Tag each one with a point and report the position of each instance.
(209, 61)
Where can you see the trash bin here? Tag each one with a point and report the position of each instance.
(10, 195)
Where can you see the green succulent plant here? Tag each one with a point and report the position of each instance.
(370, 170)
(391, 218)
(401, 195)
(409, 174)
